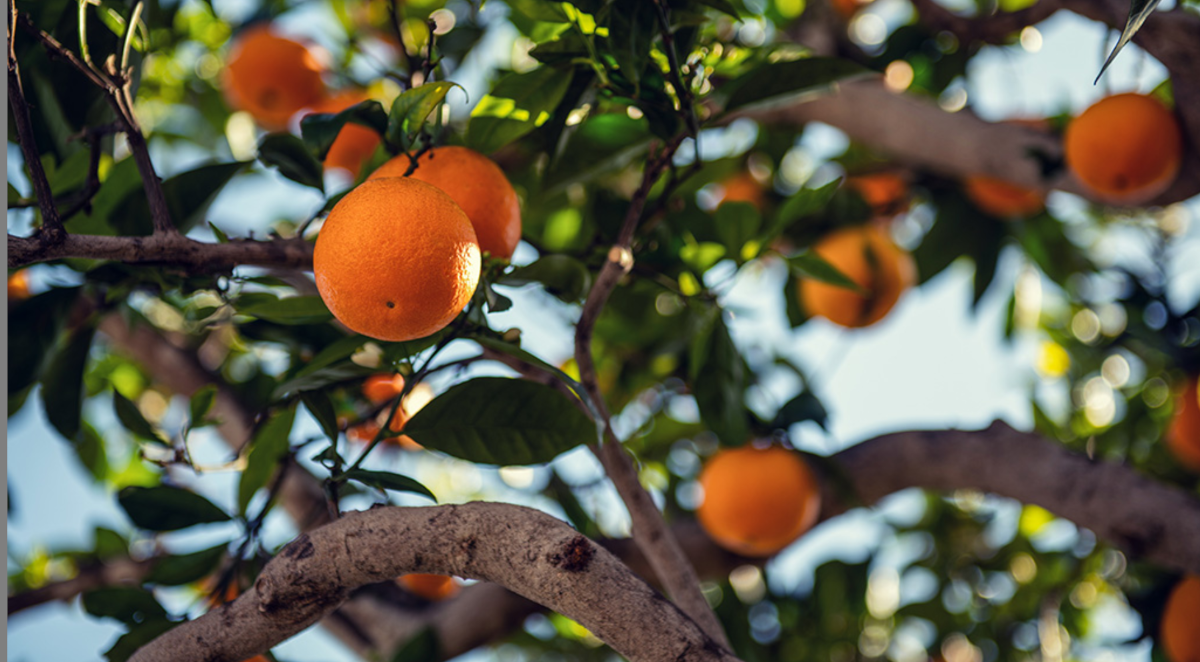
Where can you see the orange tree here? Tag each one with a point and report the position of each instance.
(144, 330)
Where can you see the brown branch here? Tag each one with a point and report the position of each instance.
(111, 572)
(171, 249)
(117, 88)
(52, 232)
(525, 550)
(997, 28)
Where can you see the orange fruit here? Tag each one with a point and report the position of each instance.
(757, 500)
(396, 259)
(1001, 199)
(742, 187)
(477, 184)
(354, 143)
(271, 77)
(1126, 148)
(18, 286)
(848, 8)
(885, 192)
(1183, 437)
(383, 387)
(1178, 631)
(430, 587)
(867, 256)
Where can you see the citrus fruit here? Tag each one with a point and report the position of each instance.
(885, 192)
(1183, 437)
(380, 388)
(18, 286)
(477, 184)
(430, 587)
(1179, 634)
(396, 259)
(742, 187)
(271, 77)
(354, 143)
(757, 500)
(1126, 149)
(868, 257)
(1002, 199)
(848, 8)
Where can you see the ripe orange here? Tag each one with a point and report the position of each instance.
(1183, 437)
(271, 77)
(383, 387)
(1001, 199)
(430, 587)
(742, 187)
(478, 185)
(868, 257)
(396, 259)
(885, 192)
(1126, 148)
(1178, 632)
(18, 286)
(355, 143)
(757, 500)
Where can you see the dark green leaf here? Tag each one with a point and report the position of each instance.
(188, 195)
(109, 544)
(321, 408)
(124, 603)
(321, 378)
(62, 385)
(737, 224)
(291, 156)
(89, 448)
(201, 403)
(180, 569)
(166, 508)
(780, 82)
(423, 647)
(269, 446)
(563, 277)
(292, 310)
(138, 636)
(1139, 11)
(720, 386)
(389, 481)
(222, 238)
(810, 265)
(410, 110)
(517, 105)
(319, 130)
(724, 6)
(132, 419)
(34, 326)
(804, 407)
(804, 203)
(493, 420)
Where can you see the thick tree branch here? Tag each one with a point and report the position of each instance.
(523, 549)
(173, 249)
(996, 28)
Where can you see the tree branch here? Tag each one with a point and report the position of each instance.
(170, 249)
(525, 550)
(110, 572)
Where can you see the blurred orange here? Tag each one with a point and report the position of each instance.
(885, 192)
(1183, 437)
(1179, 630)
(867, 256)
(742, 187)
(383, 387)
(18, 286)
(271, 77)
(354, 143)
(430, 587)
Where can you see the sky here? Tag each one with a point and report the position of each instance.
(931, 364)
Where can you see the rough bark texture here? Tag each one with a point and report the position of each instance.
(523, 549)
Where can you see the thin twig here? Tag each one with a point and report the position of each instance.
(180, 252)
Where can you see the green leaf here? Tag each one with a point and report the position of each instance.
(62, 385)
(810, 265)
(14, 195)
(517, 105)
(109, 544)
(318, 379)
(180, 569)
(201, 403)
(804, 407)
(562, 276)
(321, 408)
(267, 448)
(188, 195)
(804, 203)
(423, 647)
(389, 481)
(222, 238)
(780, 82)
(493, 420)
(319, 130)
(138, 636)
(737, 224)
(124, 603)
(411, 109)
(724, 6)
(1139, 11)
(132, 419)
(89, 448)
(166, 508)
(291, 156)
(719, 385)
(34, 326)
(292, 310)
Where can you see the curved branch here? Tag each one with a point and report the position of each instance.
(110, 572)
(524, 549)
(165, 248)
